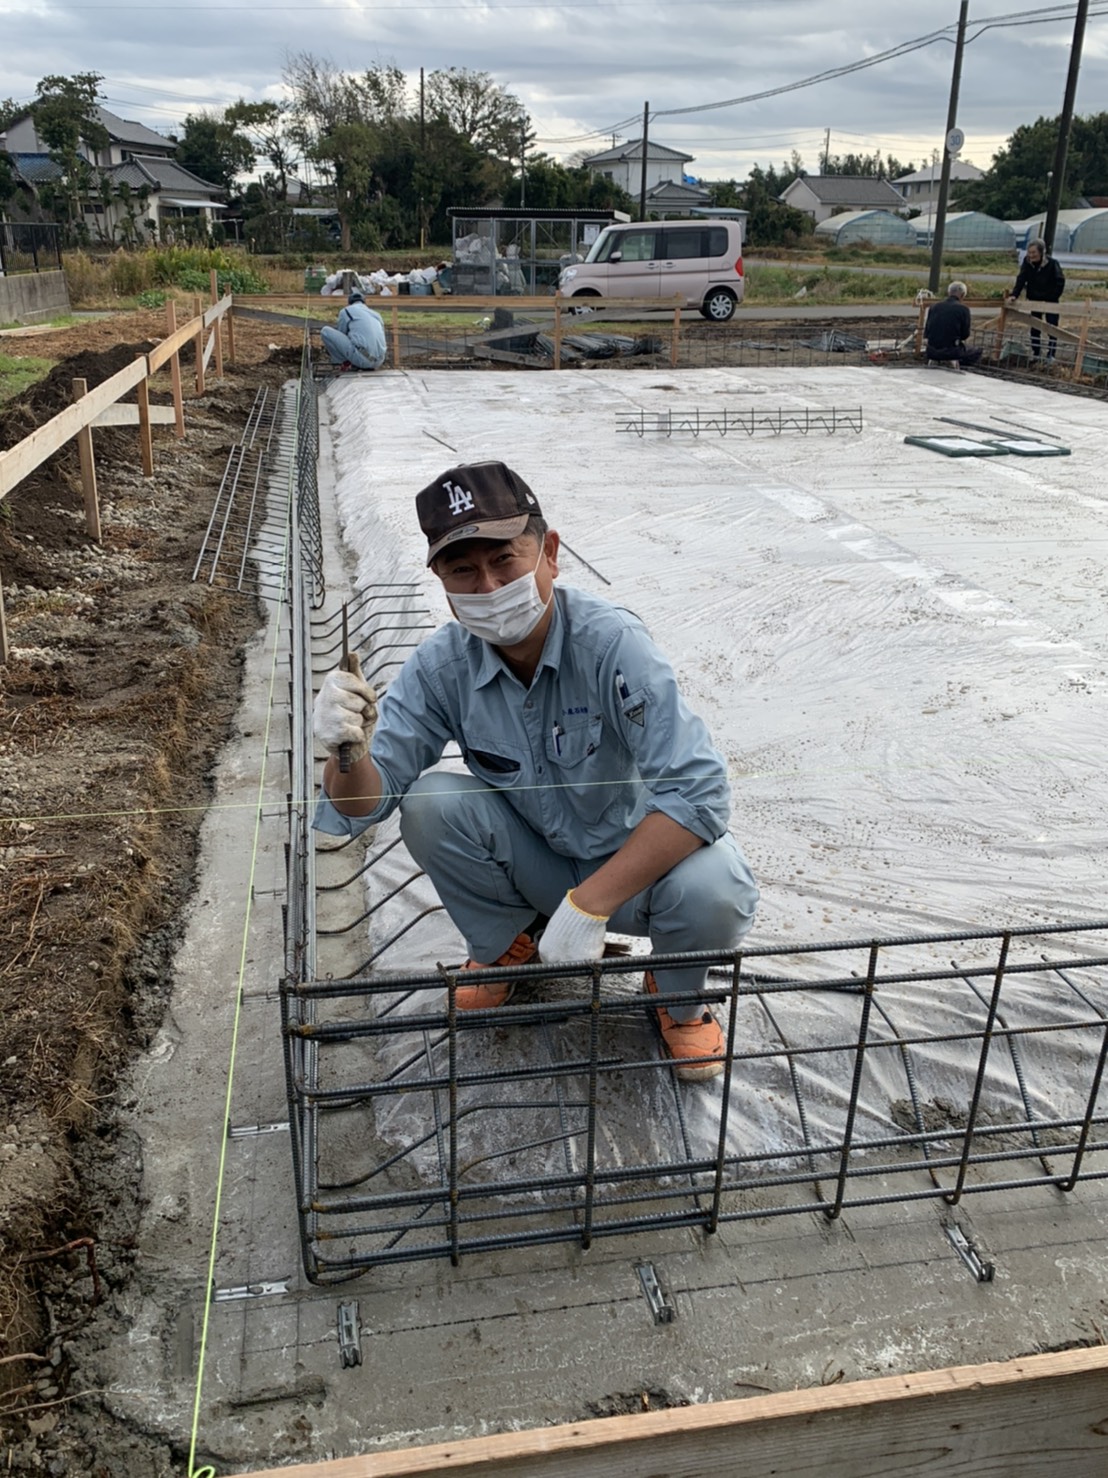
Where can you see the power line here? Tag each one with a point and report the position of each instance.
(905, 48)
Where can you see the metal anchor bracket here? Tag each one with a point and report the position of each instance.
(983, 1271)
(350, 1347)
(250, 1290)
(661, 1308)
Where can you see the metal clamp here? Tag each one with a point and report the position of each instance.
(350, 1348)
(983, 1271)
(661, 1308)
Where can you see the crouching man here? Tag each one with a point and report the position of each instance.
(596, 797)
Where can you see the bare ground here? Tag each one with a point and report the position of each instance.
(122, 686)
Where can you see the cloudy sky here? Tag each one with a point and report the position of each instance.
(584, 70)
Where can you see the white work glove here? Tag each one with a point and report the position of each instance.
(345, 711)
(572, 934)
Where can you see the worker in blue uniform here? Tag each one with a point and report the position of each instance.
(358, 339)
(595, 797)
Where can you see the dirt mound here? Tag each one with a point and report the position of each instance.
(50, 395)
(121, 688)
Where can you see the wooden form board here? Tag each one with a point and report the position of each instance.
(1045, 1416)
(128, 415)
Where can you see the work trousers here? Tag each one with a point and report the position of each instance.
(494, 873)
(958, 353)
(1037, 338)
(341, 348)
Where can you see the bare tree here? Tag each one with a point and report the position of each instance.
(479, 110)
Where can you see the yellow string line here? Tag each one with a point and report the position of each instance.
(207, 1471)
(1032, 760)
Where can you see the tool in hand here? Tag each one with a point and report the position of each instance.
(347, 664)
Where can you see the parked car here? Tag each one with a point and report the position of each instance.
(701, 260)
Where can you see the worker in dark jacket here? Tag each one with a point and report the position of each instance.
(947, 328)
(1043, 280)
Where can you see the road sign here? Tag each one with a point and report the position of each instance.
(954, 141)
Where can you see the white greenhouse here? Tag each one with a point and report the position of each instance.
(880, 227)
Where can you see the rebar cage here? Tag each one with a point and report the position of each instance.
(858, 1072)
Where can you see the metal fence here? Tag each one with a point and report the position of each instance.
(29, 248)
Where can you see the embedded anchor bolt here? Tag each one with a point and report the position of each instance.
(661, 1308)
(983, 1271)
(350, 1349)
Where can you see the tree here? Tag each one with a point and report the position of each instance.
(554, 186)
(479, 109)
(868, 166)
(215, 148)
(335, 121)
(1017, 184)
(266, 126)
(66, 118)
(768, 222)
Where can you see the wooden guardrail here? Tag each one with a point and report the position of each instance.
(1089, 314)
(390, 308)
(101, 406)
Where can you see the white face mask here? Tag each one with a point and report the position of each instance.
(504, 616)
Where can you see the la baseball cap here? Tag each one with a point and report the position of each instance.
(478, 500)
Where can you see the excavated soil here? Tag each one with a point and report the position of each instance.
(121, 687)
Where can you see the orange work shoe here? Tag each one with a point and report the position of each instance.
(687, 1041)
(521, 951)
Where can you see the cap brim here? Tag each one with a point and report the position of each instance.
(500, 528)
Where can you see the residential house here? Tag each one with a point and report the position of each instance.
(139, 191)
(671, 199)
(821, 196)
(921, 188)
(125, 139)
(623, 166)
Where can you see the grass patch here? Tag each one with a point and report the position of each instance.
(19, 371)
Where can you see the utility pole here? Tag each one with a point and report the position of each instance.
(827, 151)
(522, 162)
(422, 156)
(944, 179)
(1065, 124)
(642, 180)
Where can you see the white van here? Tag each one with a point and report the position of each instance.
(702, 260)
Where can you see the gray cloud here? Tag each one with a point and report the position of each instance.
(581, 70)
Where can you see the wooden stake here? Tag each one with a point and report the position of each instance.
(231, 331)
(5, 651)
(1079, 352)
(557, 331)
(198, 314)
(998, 342)
(146, 440)
(175, 374)
(395, 334)
(923, 307)
(213, 279)
(88, 469)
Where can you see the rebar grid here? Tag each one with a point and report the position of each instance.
(244, 545)
(778, 421)
(858, 1073)
(437, 1132)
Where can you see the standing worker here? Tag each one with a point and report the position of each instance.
(358, 342)
(1043, 280)
(594, 796)
(947, 328)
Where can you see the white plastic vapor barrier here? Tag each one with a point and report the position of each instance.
(902, 657)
